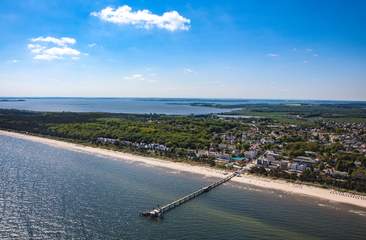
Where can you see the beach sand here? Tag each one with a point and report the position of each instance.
(281, 185)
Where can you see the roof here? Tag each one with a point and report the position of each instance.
(305, 159)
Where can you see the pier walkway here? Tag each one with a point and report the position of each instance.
(158, 212)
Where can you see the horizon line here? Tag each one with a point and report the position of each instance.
(182, 98)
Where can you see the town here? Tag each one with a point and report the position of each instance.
(330, 152)
(321, 151)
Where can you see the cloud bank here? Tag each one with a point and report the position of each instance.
(171, 21)
(51, 48)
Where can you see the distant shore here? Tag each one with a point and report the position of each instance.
(281, 185)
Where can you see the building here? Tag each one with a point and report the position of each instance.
(297, 167)
(305, 160)
(262, 162)
(284, 165)
(104, 140)
(250, 154)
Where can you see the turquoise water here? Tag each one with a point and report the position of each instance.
(51, 193)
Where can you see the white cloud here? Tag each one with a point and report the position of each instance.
(64, 41)
(36, 48)
(141, 78)
(171, 21)
(188, 70)
(57, 53)
(91, 45)
(273, 55)
(136, 76)
(51, 48)
(14, 61)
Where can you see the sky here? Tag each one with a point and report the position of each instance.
(283, 49)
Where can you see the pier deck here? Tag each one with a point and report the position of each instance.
(158, 212)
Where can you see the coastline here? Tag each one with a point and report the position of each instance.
(280, 185)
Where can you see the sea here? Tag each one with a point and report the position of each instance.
(171, 106)
(54, 193)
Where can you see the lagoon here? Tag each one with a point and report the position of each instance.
(171, 106)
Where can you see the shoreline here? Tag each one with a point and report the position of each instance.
(262, 182)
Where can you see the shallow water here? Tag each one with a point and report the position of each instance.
(51, 193)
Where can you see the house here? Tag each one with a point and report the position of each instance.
(202, 153)
(284, 165)
(250, 154)
(212, 153)
(262, 162)
(104, 140)
(358, 163)
(339, 174)
(297, 167)
(305, 160)
(222, 159)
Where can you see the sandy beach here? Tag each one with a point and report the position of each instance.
(281, 185)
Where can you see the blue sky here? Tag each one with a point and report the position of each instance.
(284, 49)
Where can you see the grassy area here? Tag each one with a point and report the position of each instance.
(281, 112)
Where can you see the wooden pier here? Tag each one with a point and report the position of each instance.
(159, 212)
